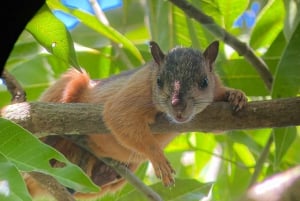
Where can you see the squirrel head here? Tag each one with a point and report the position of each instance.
(183, 80)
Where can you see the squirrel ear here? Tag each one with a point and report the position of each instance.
(156, 52)
(211, 52)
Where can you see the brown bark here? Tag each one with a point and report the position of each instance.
(82, 118)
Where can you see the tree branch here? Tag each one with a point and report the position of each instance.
(13, 86)
(83, 118)
(242, 48)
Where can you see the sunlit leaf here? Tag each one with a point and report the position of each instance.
(158, 14)
(245, 155)
(231, 10)
(234, 176)
(287, 75)
(12, 186)
(241, 137)
(283, 138)
(238, 73)
(292, 17)
(276, 48)
(53, 35)
(92, 22)
(185, 189)
(262, 36)
(204, 148)
(27, 153)
(107, 31)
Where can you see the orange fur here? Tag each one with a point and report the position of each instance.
(70, 88)
(130, 105)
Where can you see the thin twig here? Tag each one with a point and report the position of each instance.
(58, 191)
(132, 179)
(261, 160)
(237, 163)
(242, 48)
(120, 168)
(18, 94)
(98, 12)
(100, 15)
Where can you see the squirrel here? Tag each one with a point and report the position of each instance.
(179, 85)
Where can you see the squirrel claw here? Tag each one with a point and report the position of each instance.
(165, 172)
(237, 99)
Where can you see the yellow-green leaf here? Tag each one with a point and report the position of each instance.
(51, 33)
(28, 153)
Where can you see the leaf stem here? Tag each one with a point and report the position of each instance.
(132, 179)
(261, 160)
(102, 19)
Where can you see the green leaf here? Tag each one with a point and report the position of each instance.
(187, 32)
(203, 145)
(92, 22)
(22, 53)
(262, 36)
(109, 32)
(53, 35)
(181, 29)
(292, 17)
(283, 137)
(185, 189)
(292, 155)
(28, 153)
(287, 75)
(244, 154)
(276, 48)
(140, 173)
(241, 137)
(239, 74)
(211, 8)
(232, 179)
(33, 72)
(12, 186)
(231, 10)
(159, 15)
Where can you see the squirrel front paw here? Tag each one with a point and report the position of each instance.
(164, 171)
(237, 99)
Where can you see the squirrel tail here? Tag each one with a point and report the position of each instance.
(75, 86)
(71, 87)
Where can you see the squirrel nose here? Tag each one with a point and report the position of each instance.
(178, 104)
(177, 101)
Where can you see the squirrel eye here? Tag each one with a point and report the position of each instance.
(203, 83)
(159, 82)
